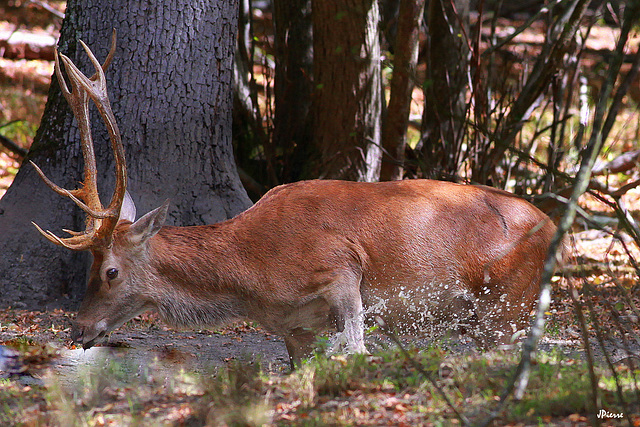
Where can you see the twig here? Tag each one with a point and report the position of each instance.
(623, 190)
(633, 262)
(539, 78)
(593, 184)
(521, 376)
(521, 28)
(48, 8)
(12, 146)
(582, 183)
(594, 321)
(592, 268)
(624, 86)
(624, 329)
(621, 163)
(625, 218)
(587, 348)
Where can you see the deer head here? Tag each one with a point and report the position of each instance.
(107, 275)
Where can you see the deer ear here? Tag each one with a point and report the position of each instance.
(147, 226)
(128, 209)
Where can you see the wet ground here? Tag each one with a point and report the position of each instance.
(146, 342)
(135, 346)
(170, 351)
(199, 350)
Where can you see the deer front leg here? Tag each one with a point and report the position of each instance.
(349, 320)
(300, 344)
(339, 304)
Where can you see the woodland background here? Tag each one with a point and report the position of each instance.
(513, 94)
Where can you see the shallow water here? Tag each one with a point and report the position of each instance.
(136, 353)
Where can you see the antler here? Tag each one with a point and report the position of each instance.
(100, 221)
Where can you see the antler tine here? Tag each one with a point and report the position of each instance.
(78, 242)
(112, 51)
(61, 191)
(73, 233)
(100, 221)
(63, 85)
(96, 87)
(72, 194)
(78, 99)
(75, 73)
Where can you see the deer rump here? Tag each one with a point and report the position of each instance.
(423, 255)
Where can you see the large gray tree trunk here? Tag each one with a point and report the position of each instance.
(170, 89)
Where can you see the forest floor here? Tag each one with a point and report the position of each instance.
(149, 374)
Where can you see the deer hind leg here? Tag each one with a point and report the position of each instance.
(349, 320)
(459, 314)
(490, 332)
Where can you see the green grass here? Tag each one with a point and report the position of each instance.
(380, 389)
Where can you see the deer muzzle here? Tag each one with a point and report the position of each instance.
(88, 335)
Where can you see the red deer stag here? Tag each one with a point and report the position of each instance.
(308, 256)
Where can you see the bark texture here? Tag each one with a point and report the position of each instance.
(347, 97)
(445, 88)
(293, 85)
(170, 90)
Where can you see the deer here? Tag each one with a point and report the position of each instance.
(308, 257)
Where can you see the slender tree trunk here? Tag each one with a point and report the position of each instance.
(347, 97)
(293, 84)
(394, 131)
(444, 101)
(170, 89)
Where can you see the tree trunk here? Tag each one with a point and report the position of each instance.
(293, 85)
(347, 98)
(394, 131)
(444, 101)
(170, 89)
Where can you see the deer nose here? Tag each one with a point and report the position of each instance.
(77, 333)
(88, 334)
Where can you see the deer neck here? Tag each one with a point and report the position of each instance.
(193, 276)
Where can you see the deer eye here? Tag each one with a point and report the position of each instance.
(112, 273)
